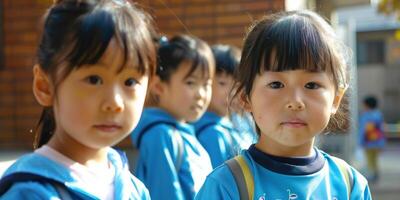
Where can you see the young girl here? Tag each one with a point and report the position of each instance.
(292, 77)
(94, 63)
(172, 163)
(215, 130)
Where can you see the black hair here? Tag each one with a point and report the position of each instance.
(184, 48)
(371, 102)
(295, 40)
(78, 32)
(226, 57)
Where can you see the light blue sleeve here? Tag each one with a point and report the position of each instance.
(140, 189)
(30, 190)
(220, 184)
(214, 143)
(211, 190)
(156, 164)
(360, 190)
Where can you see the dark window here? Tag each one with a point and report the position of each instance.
(370, 52)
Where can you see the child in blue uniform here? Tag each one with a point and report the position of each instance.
(215, 130)
(172, 163)
(371, 135)
(292, 77)
(94, 62)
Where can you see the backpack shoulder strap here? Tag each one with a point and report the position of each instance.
(177, 136)
(181, 149)
(346, 172)
(243, 177)
(7, 181)
(148, 127)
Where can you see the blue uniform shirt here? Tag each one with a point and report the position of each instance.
(159, 155)
(316, 177)
(126, 186)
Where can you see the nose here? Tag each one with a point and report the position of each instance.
(202, 92)
(295, 103)
(113, 101)
(295, 106)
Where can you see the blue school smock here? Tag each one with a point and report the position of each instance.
(217, 135)
(126, 186)
(244, 124)
(275, 179)
(158, 159)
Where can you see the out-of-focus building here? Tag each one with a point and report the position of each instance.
(377, 56)
(376, 47)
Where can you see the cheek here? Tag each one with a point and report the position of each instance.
(73, 112)
(208, 94)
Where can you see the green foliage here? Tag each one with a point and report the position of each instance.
(389, 7)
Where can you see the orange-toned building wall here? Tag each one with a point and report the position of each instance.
(216, 21)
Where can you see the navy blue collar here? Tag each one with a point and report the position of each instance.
(287, 165)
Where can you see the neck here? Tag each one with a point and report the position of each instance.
(78, 152)
(270, 147)
(211, 109)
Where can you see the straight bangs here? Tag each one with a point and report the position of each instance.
(293, 43)
(94, 31)
(204, 60)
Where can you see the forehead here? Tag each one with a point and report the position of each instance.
(298, 74)
(187, 69)
(114, 57)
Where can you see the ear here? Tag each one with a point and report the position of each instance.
(245, 102)
(157, 86)
(42, 88)
(338, 98)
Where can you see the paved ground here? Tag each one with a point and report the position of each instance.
(388, 187)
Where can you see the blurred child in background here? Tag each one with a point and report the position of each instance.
(215, 130)
(372, 138)
(172, 163)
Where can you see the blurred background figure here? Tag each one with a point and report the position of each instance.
(215, 130)
(371, 134)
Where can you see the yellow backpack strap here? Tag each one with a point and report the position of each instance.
(346, 172)
(243, 177)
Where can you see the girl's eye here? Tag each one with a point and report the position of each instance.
(312, 85)
(94, 80)
(276, 85)
(221, 83)
(131, 82)
(190, 83)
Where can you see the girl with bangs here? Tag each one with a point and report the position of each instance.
(291, 78)
(94, 62)
(172, 163)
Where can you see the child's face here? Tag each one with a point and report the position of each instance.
(186, 98)
(221, 88)
(290, 108)
(96, 105)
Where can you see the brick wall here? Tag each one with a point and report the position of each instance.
(18, 109)
(218, 21)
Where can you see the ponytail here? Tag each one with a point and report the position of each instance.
(45, 128)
